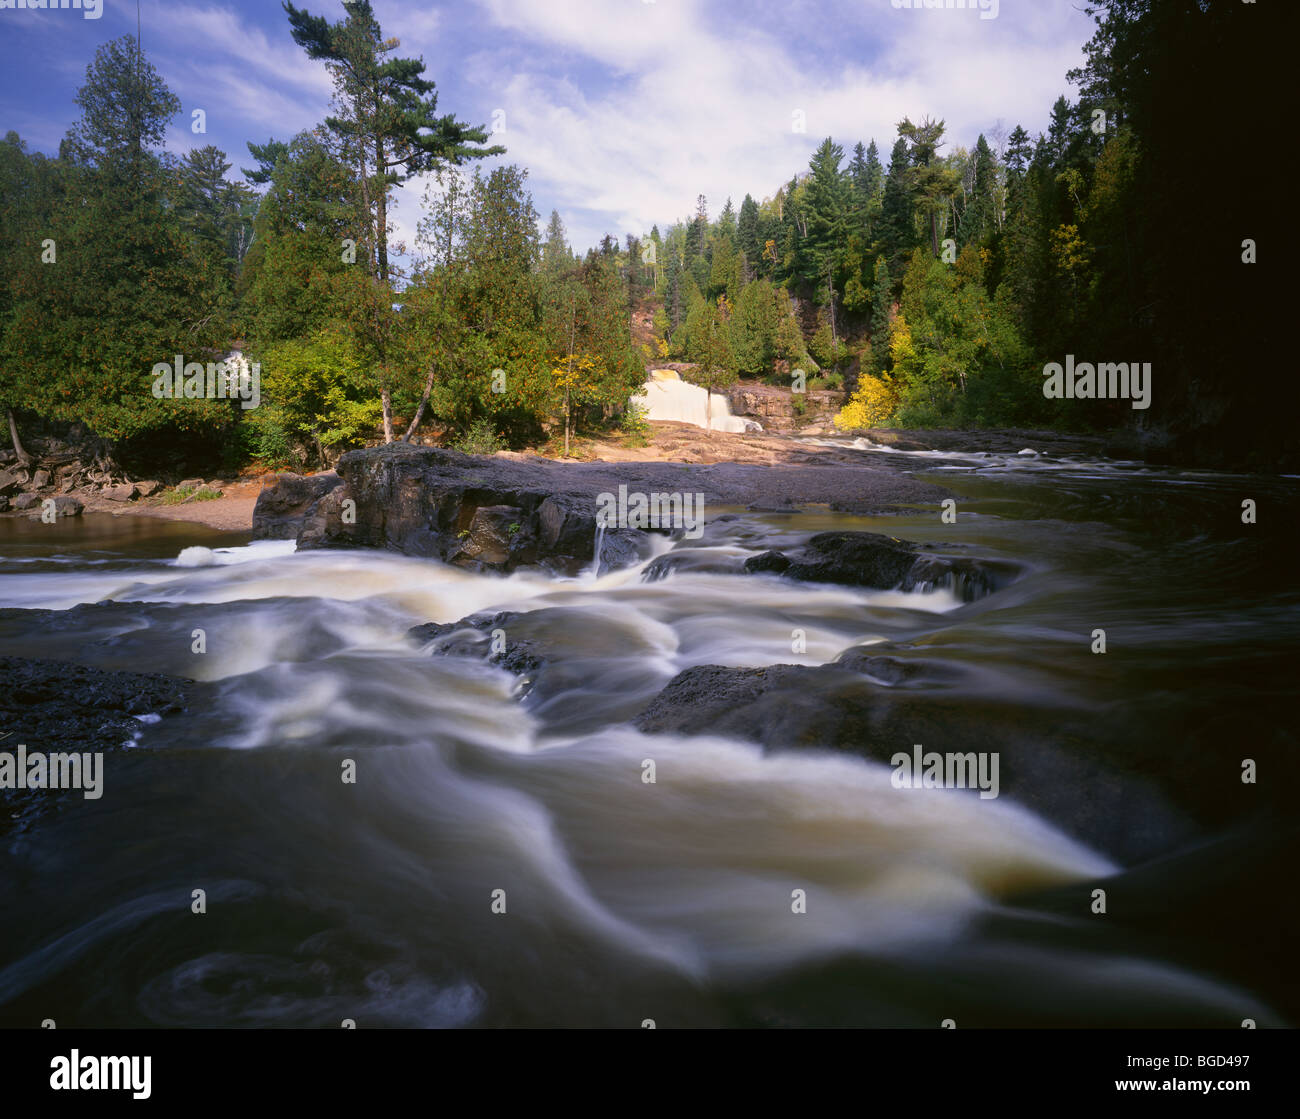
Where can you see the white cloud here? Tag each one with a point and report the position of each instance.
(671, 105)
(220, 63)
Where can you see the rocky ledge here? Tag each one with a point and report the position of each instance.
(869, 559)
(500, 513)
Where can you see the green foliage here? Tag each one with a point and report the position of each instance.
(827, 350)
(130, 287)
(480, 438)
(187, 493)
(316, 393)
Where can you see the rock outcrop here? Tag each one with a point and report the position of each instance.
(499, 513)
(869, 559)
(283, 506)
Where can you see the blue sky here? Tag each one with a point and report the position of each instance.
(622, 110)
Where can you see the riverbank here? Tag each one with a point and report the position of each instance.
(669, 442)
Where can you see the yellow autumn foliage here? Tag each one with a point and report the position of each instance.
(871, 406)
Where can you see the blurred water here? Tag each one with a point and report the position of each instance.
(624, 900)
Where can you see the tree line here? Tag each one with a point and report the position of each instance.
(933, 284)
(121, 256)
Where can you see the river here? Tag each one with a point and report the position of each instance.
(502, 860)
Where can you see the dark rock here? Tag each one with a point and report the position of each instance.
(869, 559)
(473, 637)
(423, 501)
(67, 506)
(770, 560)
(690, 561)
(783, 705)
(9, 481)
(4, 503)
(968, 578)
(53, 706)
(283, 507)
(26, 501)
(475, 513)
(858, 559)
(1128, 807)
(493, 534)
(556, 652)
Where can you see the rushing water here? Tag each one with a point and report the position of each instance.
(672, 900)
(667, 397)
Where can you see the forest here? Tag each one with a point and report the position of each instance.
(931, 285)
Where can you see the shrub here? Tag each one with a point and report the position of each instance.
(481, 438)
(871, 406)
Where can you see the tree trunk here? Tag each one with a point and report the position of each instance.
(381, 206)
(424, 400)
(23, 456)
(573, 325)
(385, 394)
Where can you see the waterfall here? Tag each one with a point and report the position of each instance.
(667, 397)
(600, 545)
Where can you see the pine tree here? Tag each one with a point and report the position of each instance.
(389, 131)
(897, 231)
(930, 183)
(727, 221)
(556, 254)
(981, 218)
(747, 237)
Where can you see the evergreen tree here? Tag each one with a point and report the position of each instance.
(747, 235)
(727, 221)
(388, 129)
(897, 231)
(127, 273)
(982, 217)
(556, 254)
(930, 183)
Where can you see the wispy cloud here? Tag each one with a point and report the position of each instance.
(622, 110)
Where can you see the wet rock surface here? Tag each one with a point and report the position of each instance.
(878, 706)
(426, 501)
(283, 506)
(869, 559)
(56, 707)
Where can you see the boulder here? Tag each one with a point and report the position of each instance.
(25, 501)
(284, 506)
(493, 533)
(690, 561)
(147, 489)
(125, 492)
(870, 559)
(876, 706)
(424, 501)
(190, 484)
(9, 481)
(40, 479)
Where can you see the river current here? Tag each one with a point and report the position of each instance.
(502, 860)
